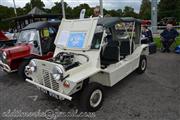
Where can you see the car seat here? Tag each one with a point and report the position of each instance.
(125, 48)
(110, 54)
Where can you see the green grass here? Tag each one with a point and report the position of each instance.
(159, 45)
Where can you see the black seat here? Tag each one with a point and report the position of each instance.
(47, 46)
(110, 55)
(125, 48)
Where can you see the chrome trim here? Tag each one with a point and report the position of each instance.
(6, 67)
(50, 90)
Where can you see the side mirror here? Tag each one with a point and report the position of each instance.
(35, 44)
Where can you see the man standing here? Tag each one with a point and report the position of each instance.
(96, 12)
(168, 36)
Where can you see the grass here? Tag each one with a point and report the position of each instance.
(159, 45)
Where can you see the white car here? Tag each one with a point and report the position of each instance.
(90, 53)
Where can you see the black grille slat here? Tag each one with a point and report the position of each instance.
(46, 78)
(49, 81)
(55, 85)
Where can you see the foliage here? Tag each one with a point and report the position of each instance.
(77, 10)
(34, 3)
(169, 9)
(57, 9)
(145, 10)
(129, 12)
(3, 14)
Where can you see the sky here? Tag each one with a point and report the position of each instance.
(108, 4)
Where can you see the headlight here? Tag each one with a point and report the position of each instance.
(57, 73)
(33, 66)
(29, 69)
(4, 55)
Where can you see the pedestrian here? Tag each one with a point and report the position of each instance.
(96, 12)
(168, 36)
(147, 34)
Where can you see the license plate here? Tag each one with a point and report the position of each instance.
(49, 93)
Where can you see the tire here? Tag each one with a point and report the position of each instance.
(21, 69)
(142, 64)
(89, 92)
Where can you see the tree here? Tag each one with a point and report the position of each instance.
(34, 3)
(113, 13)
(77, 10)
(129, 12)
(57, 9)
(145, 10)
(169, 9)
(120, 12)
(3, 15)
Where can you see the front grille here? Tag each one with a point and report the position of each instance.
(55, 85)
(49, 81)
(46, 78)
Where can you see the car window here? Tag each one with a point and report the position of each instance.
(27, 36)
(96, 42)
(124, 30)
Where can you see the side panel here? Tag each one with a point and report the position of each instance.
(128, 65)
(116, 72)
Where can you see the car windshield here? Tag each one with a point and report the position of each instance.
(96, 42)
(27, 36)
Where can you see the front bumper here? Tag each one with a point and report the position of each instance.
(5, 67)
(50, 90)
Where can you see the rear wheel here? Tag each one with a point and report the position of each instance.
(91, 97)
(21, 69)
(142, 64)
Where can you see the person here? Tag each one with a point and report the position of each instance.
(168, 36)
(147, 34)
(96, 12)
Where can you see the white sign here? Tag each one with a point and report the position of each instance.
(63, 38)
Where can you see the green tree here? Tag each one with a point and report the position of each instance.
(113, 13)
(20, 11)
(77, 10)
(34, 3)
(169, 9)
(120, 12)
(129, 12)
(145, 10)
(3, 15)
(57, 9)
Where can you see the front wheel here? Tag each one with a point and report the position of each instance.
(21, 69)
(142, 64)
(91, 97)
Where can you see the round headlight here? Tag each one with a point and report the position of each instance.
(4, 55)
(57, 73)
(32, 66)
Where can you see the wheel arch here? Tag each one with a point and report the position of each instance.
(145, 50)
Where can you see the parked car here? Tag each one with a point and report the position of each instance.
(166, 20)
(146, 23)
(5, 41)
(34, 41)
(90, 54)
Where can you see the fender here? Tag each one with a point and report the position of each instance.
(142, 50)
(16, 54)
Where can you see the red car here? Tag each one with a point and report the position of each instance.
(34, 41)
